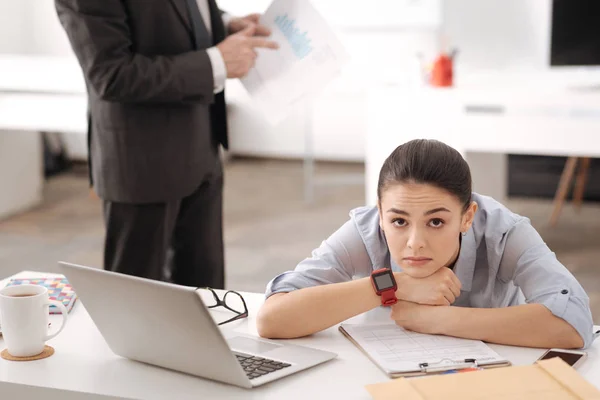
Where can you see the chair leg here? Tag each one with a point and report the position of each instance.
(580, 182)
(563, 188)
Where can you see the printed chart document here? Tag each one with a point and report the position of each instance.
(399, 352)
(308, 58)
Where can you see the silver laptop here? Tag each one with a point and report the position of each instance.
(169, 326)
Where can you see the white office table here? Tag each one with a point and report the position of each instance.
(44, 112)
(83, 367)
(41, 74)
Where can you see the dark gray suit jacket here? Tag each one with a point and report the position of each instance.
(154, 122)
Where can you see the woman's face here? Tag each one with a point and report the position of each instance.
(422, 224)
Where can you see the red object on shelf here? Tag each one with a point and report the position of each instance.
(441, 72)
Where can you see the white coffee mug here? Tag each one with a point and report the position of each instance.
(24, 313)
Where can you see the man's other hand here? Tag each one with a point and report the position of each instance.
(238, 51)
(239, 24)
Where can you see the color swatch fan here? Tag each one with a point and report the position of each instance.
(59, 289)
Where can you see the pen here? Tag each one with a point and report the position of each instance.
(457, 371)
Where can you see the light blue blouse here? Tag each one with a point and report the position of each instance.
(503, 261)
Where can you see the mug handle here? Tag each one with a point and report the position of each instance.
(64, 313)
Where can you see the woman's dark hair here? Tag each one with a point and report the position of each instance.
(427, 161)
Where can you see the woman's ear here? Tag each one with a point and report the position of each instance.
(469, 216)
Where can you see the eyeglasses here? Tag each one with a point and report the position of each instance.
(233, 301)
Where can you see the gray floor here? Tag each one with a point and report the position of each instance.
(268, 226)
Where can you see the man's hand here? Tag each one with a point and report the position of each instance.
(238, 51)
(416, 317)
(239, 24)
(438, 289)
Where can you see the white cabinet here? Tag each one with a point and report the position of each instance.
(337, 127)
(37, 94)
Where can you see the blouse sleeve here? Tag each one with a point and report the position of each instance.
(339, 258)
(533, 267)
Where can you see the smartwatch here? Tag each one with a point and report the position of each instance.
(385, 285)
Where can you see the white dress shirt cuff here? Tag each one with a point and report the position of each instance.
(218, 67)
(226, 20)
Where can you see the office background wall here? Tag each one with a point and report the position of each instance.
(383, 38)
(499, 35)
(31, 27)
(14, 37)
(48, 36)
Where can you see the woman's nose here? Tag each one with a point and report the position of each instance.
(415, 239)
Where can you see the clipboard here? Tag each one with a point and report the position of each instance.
(441, 366)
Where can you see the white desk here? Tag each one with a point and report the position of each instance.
(484, 123)
(83, 363)
(40, 74)
(37, 94)
(44, 112)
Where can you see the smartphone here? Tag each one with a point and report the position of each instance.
(571, 357)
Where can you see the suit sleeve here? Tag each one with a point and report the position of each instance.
(101, 40)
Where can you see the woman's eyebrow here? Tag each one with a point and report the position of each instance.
(435, 210)
(432, 211)
(396, 211)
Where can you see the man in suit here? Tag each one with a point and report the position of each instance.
(155, 71)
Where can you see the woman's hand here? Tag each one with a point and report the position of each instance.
(438, 289)
(416, 317)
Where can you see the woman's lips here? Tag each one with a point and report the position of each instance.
(416, 261)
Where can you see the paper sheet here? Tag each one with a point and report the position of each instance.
(309, 57)
(398, 350)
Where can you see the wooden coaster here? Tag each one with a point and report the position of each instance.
(48, 351)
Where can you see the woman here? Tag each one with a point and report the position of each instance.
(464, 265)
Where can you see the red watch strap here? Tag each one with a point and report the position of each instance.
(388, 297)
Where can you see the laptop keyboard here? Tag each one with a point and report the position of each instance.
(258, 366)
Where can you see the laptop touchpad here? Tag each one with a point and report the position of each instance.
(249, 345)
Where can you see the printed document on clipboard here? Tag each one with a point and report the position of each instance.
(399, 352)
(309, 57)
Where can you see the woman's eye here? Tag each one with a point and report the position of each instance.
(436, 223)
(399, 222)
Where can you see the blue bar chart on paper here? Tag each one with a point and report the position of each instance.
(309, 57)
(299, 41)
